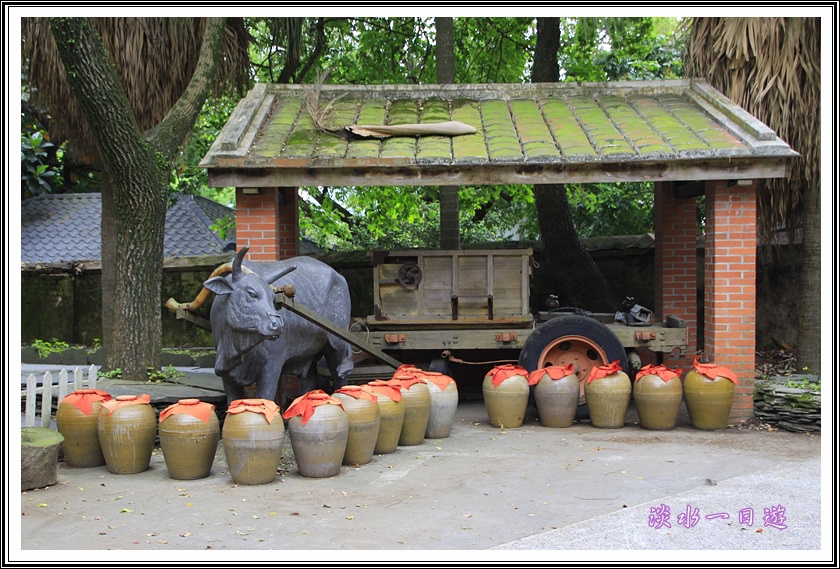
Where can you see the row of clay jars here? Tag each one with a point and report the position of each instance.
(120, 433)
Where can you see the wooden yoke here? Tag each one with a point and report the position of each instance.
(173, 305)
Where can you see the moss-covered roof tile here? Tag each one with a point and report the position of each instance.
(560, 128)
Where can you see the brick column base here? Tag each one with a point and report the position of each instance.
(729, 325)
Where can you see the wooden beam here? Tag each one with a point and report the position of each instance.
(728, 168)
(288, 303)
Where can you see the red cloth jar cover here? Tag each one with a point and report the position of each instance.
(389, 388)
(502, 372)
(357, 392)
(554, 372)
(441, 380)
(194, 407)
(268, 408)
(83, 399)
(306, 403)
(713, 371)
(664, 373)
(126, 400)
(603, 371)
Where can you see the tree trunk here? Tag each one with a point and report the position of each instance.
(138, 167)
(450, 204)
(108, 256)
(579, 281)
(809, 313)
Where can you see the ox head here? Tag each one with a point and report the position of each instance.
(250, 304)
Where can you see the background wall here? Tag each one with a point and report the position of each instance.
(62, 301)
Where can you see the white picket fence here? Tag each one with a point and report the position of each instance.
(47, 390)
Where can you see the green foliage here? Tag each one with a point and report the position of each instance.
(223, 227)
(37, 174)
(395, 217)
(115, 373)
(622, 208)
(46, 348)
(804, 383)
(187, 177)
(169, 372)
(614, 49)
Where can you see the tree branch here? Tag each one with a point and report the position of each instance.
(168, 136)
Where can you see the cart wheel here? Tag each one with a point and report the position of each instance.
(572, 339)
(409, 275)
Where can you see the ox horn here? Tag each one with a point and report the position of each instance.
(236, 267)
(281, 273)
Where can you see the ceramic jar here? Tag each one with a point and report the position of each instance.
(252, 437)
(127, 428)
(392, 413)
(189, 438)
(658, 396)
(506, 391)
(607, 392)
(364, 416)
(77, 419)
(556, 394)
(418, 406)
(443, 392)
(709, 390)
(318, 430)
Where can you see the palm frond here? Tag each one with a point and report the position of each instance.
(771, 68)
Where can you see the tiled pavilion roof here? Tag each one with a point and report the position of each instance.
(65, 228)
(526, 133)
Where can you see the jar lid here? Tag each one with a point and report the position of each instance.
(189, 402)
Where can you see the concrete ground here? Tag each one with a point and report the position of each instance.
(481, 494)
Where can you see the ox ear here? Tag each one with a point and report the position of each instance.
(219, 285)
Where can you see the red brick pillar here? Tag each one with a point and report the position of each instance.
(729, 325)
(675, 264)
(267, 221)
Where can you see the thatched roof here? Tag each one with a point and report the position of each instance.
(529, 133)
(143, 51)
(771, 67)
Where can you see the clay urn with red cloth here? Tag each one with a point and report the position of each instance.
(506, 392)
(443, 392)
(392, 413)
(607, 392)
(556, 394)
(709, 390)
(77, 419)
(318, 430)
(252, 437)
(418, 405)
(127, 428)
(189, 438)
(364, 415)
(658, 395)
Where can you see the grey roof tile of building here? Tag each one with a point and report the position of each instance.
(65, 228)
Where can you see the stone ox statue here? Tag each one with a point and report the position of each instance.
(256, 343)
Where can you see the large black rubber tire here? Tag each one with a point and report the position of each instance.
(573, 337)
